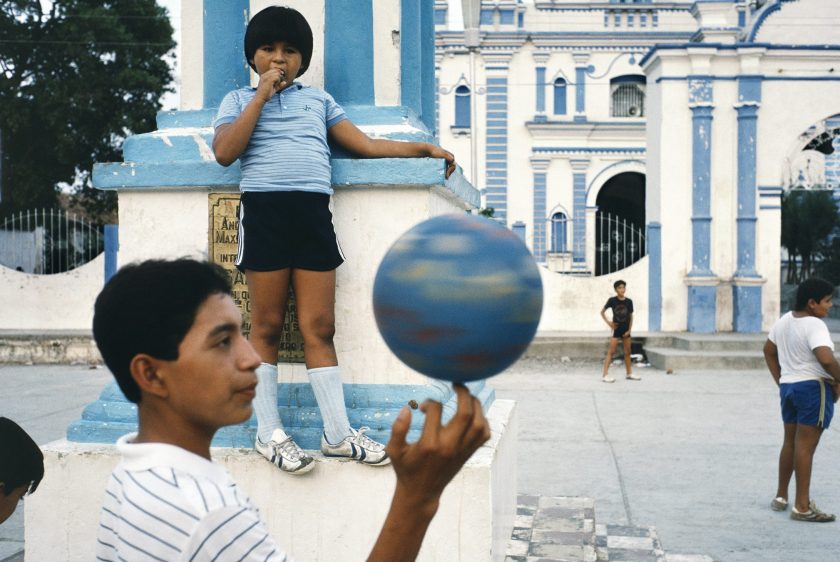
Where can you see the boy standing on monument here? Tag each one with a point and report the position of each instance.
(278, 131)
(170, 333)
(799, 353)
(621, 325)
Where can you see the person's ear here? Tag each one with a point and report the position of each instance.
(146, 372)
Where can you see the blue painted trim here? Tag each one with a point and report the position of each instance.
(702, 309)
(763, 78)
(701, 190)
(192, 118)
(586, 149)
(654, 248)
(428, 91)
(580, 91)
(560, 97)
(225, 67)
(539, 214)
(579, 218)
(735, 46)
(345, 173)
(749, 90)
(496, 136)
(540, 89)
(372, 405)
(112, 247)
(348, 52)
(761, 17)
(746, 308)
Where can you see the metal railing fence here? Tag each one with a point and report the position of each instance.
(47, 241)
(619, 243)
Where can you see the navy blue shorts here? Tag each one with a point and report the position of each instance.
(807, 403)
(280, 229)
(621, 329)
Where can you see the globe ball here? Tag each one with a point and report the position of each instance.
(458, 297)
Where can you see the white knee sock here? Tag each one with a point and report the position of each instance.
(329, 392)
(265, 403)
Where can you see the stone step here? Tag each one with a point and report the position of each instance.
(668, 358)
(717, 342)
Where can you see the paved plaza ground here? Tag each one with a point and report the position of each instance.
(692, 454)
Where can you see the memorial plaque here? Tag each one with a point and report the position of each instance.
(223, 245)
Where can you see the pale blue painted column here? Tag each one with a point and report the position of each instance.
(540, 168)
(654, 249)
(112, 247)
(348, 51)
(579, 168)
(496, 139)
(746, 288)
(580, 85)
(540, 80)
(225, 67)
(427, 66)
(702, 282)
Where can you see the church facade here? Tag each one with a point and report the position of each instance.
(645, 140)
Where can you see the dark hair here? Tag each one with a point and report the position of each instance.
(279, 23)
(619, 282)
(21, 460)
(813, 288)
(148, 308)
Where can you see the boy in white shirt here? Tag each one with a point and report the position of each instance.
(170, 333)
(800, 355)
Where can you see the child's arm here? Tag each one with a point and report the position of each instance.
(349, 137)
(771, 357)
(604, 316)
(230, 139)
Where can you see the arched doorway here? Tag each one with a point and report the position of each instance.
(619, 223)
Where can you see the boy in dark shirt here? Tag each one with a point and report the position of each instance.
(621, 325)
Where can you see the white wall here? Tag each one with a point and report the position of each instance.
(62, 301)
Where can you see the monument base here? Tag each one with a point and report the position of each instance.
(338, 510)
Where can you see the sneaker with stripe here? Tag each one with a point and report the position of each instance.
(283, 452)
(357, 446)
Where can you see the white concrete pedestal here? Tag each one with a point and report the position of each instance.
(334, 512)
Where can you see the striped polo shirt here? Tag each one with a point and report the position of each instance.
(165, 503)
(288, 149)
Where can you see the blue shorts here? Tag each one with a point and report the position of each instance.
(807, 403)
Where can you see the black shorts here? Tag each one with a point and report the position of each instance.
(621, 329)
(280, 229)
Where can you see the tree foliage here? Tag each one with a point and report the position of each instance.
(809, 217)
(78, 76)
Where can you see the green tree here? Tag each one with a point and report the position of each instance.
(78, 76)
(808, 218)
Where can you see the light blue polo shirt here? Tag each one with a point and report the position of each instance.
(288, 150)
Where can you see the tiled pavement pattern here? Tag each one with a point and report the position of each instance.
(555, 529)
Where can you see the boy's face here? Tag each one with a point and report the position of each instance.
(820, 309)
(620, 290)
(8, 503)
(212, 383)
(279, 55)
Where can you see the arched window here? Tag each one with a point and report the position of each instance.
(627, 96)
(462, 107)
(559, 97)
(558, 232)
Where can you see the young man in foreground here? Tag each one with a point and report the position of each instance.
(170, 333)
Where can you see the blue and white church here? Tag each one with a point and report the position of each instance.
(647, 140)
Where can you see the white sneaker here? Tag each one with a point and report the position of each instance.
(357, 446)
(285, 453)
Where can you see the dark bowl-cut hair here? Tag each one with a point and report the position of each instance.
(149, 307)
(279, 23)
(813, 288)
(21, 460)
(619, 282)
